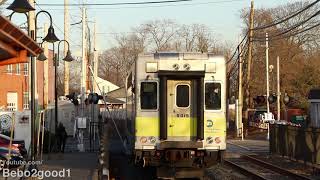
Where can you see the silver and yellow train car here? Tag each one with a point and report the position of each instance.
(179, 109)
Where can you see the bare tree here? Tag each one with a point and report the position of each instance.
(160, 34)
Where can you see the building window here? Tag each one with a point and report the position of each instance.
(213, 96)
(183, 96)
(25, 100)
(18, 69)
(9, 69)
(12, 101)
(149, 95)
(26, 69)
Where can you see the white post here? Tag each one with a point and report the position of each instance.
(240, 102)
(267, 70)
(95, 58)
(237, 117)
(278, 87)
(66, 37)
(242, 131)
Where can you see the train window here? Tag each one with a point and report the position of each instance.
(182, 96)
(213, 96)
(148, 95)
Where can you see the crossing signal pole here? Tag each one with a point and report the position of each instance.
(240, 95)
(267, 71)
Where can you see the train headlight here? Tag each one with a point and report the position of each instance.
(143, 139)
(217, 140)
(187, 66)
(176, 66)
(152, 139)
(209, 140)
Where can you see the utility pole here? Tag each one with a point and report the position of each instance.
(95, 57)
(45, 71)
(83, 74)
(267, 71)
(84, 56)
(240, 95)
(278, 88)
(250, 48)
(66, 37)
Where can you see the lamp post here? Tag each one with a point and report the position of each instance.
(67, 58)
(23, 6)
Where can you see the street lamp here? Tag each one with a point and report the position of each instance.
(67, 58)
(42, 56)
(23, 6)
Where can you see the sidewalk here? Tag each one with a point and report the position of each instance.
(83, 166)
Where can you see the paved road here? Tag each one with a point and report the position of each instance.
(248, 146)
(82, 165)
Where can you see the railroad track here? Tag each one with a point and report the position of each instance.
(258, 169)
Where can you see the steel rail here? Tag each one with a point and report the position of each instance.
(244, 171)
(275, 168)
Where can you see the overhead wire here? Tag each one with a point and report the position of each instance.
(292, 27)
(154, 6)
(235, 51)
(55, 25)
(289, 35)
(130, 3)
(232, 71)
(288, 17)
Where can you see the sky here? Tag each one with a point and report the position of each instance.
(221, 16)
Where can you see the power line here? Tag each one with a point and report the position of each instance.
(56, 25)
(129, 3)
(234, 53)
(292, 27)
(290, 35)
(116, 4)
(154, 6)
(288, 17)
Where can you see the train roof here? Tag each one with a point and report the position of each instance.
(181, 55)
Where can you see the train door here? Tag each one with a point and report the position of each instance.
(179, 111)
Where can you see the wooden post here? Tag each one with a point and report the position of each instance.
(66, 37)
(249, 63)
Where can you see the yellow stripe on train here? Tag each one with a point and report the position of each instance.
(150, 126)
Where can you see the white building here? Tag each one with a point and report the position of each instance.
(105, 86)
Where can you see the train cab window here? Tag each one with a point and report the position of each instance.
(213, 96)
(148, 95)
(182, 96)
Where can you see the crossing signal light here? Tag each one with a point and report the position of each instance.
(93, 98)
(73, 98)
(272, 99)
(260, 100)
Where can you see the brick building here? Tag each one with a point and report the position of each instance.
(14, 85)
(15, 47)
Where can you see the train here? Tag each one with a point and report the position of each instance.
(177, 103)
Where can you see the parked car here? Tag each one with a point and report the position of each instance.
(15, 158)
(17, 145)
